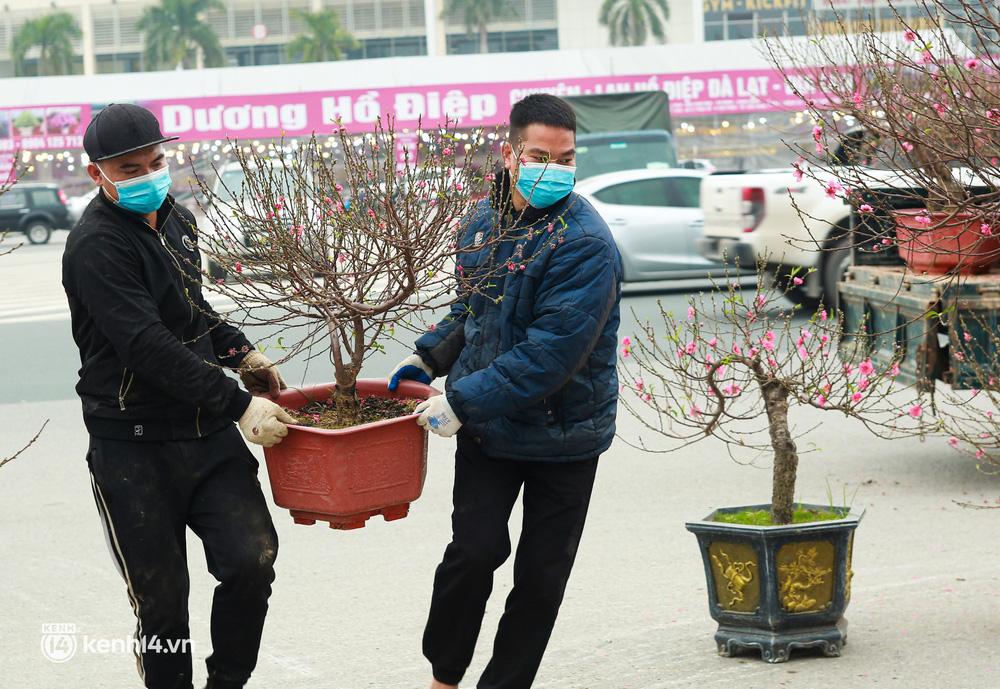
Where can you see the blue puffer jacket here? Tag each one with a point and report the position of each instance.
(532, 346)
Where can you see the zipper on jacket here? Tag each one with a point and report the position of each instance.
(197, 422)
(123, 388)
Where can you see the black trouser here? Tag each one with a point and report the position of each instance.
(556, 497)
(148, 493)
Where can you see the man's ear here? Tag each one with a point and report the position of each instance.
(509, 156)
(95, 174)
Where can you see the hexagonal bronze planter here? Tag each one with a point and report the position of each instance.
(777, 588)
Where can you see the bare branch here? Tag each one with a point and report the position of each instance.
(30, 443)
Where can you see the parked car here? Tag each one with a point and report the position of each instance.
(34, 209)
(696, 164)
(655, 217)
(78, 204)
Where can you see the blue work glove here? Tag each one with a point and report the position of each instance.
(438, 414)
(411, 368)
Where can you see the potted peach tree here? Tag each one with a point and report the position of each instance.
(732, 368)
(929, 107)
(333, 248)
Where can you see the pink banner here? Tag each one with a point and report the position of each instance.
(6, 167)
(43, 127)
(296, 115)
(300, 114)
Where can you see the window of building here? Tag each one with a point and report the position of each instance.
(246, 56)
(409, 46)
(405, 46)
(118, 63)
(739, 25)
(505, 41)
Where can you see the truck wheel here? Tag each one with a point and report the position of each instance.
(835, 267)
(38, 232)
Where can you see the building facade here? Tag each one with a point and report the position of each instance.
(727, 20)
(255, 32)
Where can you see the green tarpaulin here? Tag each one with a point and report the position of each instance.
(618, 112)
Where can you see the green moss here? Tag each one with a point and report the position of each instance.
(763, 517)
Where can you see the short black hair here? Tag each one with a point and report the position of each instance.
(541, 108)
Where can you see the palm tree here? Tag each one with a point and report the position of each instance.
(479, 13)
(53, 35)
(323, 40)
(630, 22)
(175, 30)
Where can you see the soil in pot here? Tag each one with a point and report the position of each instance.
(373, 408)
(801, 515)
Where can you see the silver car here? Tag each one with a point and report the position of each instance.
(655, 218)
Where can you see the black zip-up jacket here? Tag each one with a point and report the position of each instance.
(151, 347)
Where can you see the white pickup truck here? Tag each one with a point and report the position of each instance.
(791, 223)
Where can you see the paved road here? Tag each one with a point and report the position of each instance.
(348, 608)
(41, 361)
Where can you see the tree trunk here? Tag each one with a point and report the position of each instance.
(484, 38)
(345, 397)
(786, 458)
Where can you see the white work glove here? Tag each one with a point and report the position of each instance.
(260, 375)
(438, 414)
(262, 423)
(411, 368)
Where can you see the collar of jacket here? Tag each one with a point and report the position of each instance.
(502, 202)
(162, 213)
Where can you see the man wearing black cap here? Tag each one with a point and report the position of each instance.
(164, 454)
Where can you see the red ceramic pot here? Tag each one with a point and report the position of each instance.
(955, 245)
(347, 475)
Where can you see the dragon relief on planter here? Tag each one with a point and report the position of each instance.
(800, 581)
(738, 574)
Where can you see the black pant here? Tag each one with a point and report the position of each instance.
(147, 493)
(556, 497)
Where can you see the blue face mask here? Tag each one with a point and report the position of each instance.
(543, 184)
(143, 194)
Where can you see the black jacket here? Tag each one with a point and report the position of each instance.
(150, 345)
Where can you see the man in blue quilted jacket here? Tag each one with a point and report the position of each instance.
(529, 351)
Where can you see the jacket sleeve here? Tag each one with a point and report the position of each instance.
(228, 342)
(576, 296)
(105, 279)
(442, 344)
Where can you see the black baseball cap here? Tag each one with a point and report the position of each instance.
(122, 128)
